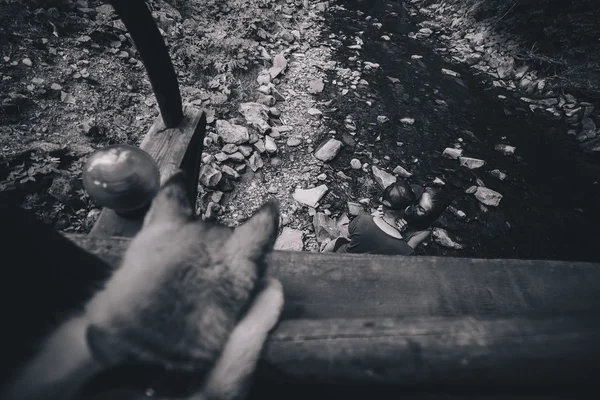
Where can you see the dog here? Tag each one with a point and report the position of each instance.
(190, 298)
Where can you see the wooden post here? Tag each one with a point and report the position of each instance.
(171, 148)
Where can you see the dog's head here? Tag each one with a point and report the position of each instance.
(182, 286)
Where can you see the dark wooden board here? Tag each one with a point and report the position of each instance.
(171, 148)
(355, 286)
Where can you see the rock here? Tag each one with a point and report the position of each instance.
(27, 61)
(314, 112)
(506, 69)
(273, 189)
(354, 209)
(293, 142)
(270, 145)
(274, 112)
(438, 181)
(226, 185)
(328, 150)
(234, 134)
(236, 157)
(274, 133)
(267, 100)
(276, 161)
(457, 213)
(382, 119)
(212, 211)
(316, 86)
(473, 58)
(450, 152)
(210, 176)
(401, 172)
(505, 149)
(290, 240)
(343, 176)
(229, 172)
(263, 79)
(260, 146)
(471, 163)
(355, 163)
(310, 197)
(216, 196)
(322, 177)
(424, 33)
(264, 89)
(441, 237)
(229, 148)
(408, 121)
(256, 115)
(255, 161)
(245, 150)
(55, 86)
(383, 179)
(221, 157)
(496, 173)
(450, 73)
(488, 196)
(279, 64)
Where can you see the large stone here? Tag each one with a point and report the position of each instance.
(234, 134)
(452, 153)
(210, 176)
(328, 150)
(255, 161)
(488, 196)
(355, 163)
(256, 116)
(471, 163)
(310, 197)
(383, 179)
(229, 172)
(270, 145)
(290, 240)
(400, 171)
(505, 149)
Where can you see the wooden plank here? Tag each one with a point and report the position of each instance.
(155, 56)
(356, 286)
(438, 352)
(171, 148)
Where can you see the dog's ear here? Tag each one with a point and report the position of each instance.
(255, 238)
(172, 202)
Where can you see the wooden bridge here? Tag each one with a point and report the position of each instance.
(447, 325)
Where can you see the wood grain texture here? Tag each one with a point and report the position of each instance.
(356, 286)
(438, 351)
(171, 148)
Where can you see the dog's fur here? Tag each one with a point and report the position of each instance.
(179, 299)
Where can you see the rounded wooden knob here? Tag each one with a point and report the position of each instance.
(121, 177)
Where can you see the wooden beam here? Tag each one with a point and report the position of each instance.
(319, 285)
(153, 52)
(171, 148)
(424, 322)
(437, 352)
